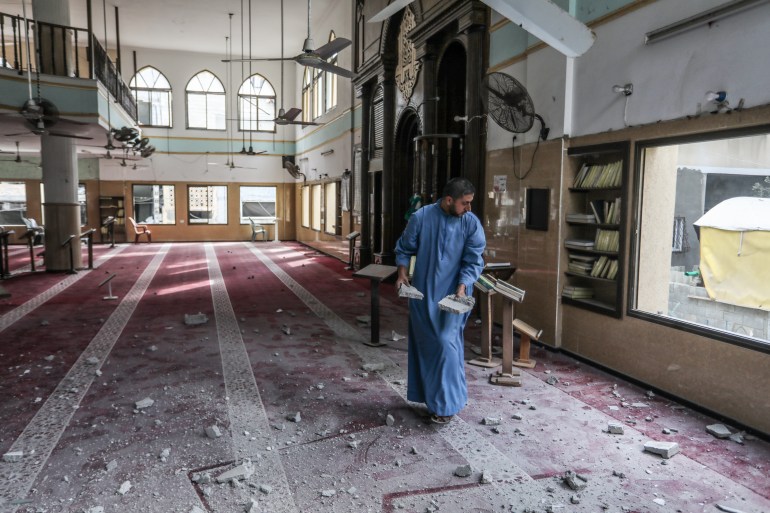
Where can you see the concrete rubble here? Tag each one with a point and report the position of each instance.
(410, 292)
(124, 487)
(457, 304)
(238, 473)
(574, 480)
(718, 431)
(463, 471)
(144, 403)
(395, 337)
(371, 367)
(13, 456)
(195, 319)
(251, 507)
(615, 428)
(213, 431)
(389, 420)
(286, 329)
(665, 449)
(491, 421)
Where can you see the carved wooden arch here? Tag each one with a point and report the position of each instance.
(391, 27)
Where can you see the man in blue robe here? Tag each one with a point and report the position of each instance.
(448, 241)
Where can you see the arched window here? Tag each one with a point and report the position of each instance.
(256, 105)
(153, 97)
(319, 90)
(205, 102)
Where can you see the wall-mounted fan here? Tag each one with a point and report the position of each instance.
(292, 168)
(508, 103)
(310, 56)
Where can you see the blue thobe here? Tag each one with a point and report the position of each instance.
(449, 252)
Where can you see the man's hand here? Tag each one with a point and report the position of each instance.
(460, 290)
(403, 278)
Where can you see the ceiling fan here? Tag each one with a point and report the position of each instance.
(287, 118)
(310, 56)
(18, 155)
(292, 168)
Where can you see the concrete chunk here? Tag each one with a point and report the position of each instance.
(390, 420)
(463, 471)
(491, 421)
(124, 488)
(242, 471)
(251, 507)
(371, 367)
(665, 449)
(195, 319)
(144, 403)
(213, 431)
(294, 417)
(575, 481)
(328, 493)
(456, 304)
(718, 430)
(13, 456)
(615, 428)
(409, 292)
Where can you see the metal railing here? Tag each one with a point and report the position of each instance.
(61, 51)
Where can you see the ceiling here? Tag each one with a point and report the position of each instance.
(198, 26)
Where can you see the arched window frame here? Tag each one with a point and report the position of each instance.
(319, 89)
(152, 91)
(256, 105)
(212, 91)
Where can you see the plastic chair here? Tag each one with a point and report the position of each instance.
(139, 230)
(257, 229)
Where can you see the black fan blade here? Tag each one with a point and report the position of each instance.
(20, 134)
(292, 113)
(331, 68)
(390, 10)
(334, 46)
(71, 136)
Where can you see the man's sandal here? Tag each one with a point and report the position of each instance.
(438, 419)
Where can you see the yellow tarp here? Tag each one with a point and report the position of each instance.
(735, 266)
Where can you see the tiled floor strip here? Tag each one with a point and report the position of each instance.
(248, 420)
(45, 429)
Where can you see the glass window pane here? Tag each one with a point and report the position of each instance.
(257, 203)
(207, 204)
(13, 203)
(154, 204)
(316, 204)
(306, 206)
(330, 208)
(216, 111)
(196, 110)
(700, 257)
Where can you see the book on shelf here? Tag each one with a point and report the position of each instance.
(583, 268)
(596, 207)
(581, 218)
(510, 291)
(577, 292)
(583, 258)
(599, 176)
(579, 244)
(607, 240)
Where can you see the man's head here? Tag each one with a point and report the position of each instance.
(457, 196)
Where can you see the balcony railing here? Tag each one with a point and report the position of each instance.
(62, 51)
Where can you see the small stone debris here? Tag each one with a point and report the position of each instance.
(295, 417)
(144, 403)
(552, 380)
(718, 431)
(615, 428)
(364, 319)
(659, 501)
(152, 348)
(361, 294)
(13, 456)
(164, 454)
(463, 471)
(112, 465)
(390, 420)
(574, 480)
(124, 488)
(413, 450)
(395, 337)
(286, 329)
(195, 319)
(353, 444)
(95, 509)
(665, 449)
(737, 438)
(238, 473)
(640, 405)
(44, 322)
(371, 367)
(251, 507)
(92, 360)
(666, 431)
(650, 394)
(486, 477)
(213, 431)
(266, 489)
(575, 499)
(49, 358)
(517, 416)
(727, 509)
(496, 430)
(621, 475)
(204, 478)
(352, 490)
(196, 509)
(490, 421)
(328, 493)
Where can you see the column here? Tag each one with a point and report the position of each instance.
(61, 207)
(387, 244)
(474, 164)
(365, 251)
(54, 44)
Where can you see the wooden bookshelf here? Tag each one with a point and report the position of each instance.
(595, 197)
(112, 206)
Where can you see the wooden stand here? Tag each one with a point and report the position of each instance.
(376, 274)
(507, 376)
(351, 237)
(526, 332)
(485, 306)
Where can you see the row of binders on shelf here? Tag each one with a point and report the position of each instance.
(599, 176)
(607, 240)
(573, 292)
(596, 267)
(488, 283)
(602, 212)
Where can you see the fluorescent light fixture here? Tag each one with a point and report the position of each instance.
(704, 18)
(547, 22)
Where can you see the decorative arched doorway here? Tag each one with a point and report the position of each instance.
(404, 176)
